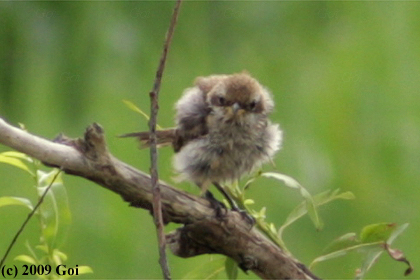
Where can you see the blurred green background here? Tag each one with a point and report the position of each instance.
(344, 75)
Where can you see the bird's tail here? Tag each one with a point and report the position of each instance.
(164, 137)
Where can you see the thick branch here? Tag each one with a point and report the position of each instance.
(202, 233)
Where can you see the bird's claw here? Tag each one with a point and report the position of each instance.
(246, 216)
(221, 210)
(218, 206)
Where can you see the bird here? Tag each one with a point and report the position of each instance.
(222, 131)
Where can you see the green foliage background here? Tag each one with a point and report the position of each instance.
(345, 78)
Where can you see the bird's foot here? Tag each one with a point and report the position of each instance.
(221, 209)
(246, 216)
(218, 206)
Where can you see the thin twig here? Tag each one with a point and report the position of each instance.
(154, 98)
(41, 199)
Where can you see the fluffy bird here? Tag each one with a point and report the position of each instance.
(222, 131)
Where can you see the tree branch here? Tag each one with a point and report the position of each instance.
(202, 233)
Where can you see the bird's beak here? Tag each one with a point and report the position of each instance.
(235, 108)
(234, 112)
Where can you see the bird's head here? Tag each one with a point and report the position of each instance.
(237, 98)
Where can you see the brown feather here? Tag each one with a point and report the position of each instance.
(163, 137)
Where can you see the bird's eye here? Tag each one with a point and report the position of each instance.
(253, 105)
(221, 100)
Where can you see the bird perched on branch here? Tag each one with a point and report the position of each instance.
(222, 131)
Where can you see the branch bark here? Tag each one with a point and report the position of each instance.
(202, 233)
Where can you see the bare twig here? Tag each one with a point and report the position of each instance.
(154, 99)
(41, 199)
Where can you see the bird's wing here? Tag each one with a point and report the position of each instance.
(192, 111)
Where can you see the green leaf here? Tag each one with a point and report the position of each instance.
(15, 162)
(28, 246)
(375, 239)
(397, 231)
(252, 179)
(12, 200)
(377, 232)
(344, 195)
(60, 255)
(328, 196)
(287, 180)
(259, 215)
(313, 213)
(294, 215)
(371, 257)
(17, 155)
(22, 126)
(249, 201)
(42, 248)
(309, 202)
(319, 199)
(136, 109)
(272, 228)
(248, 183)
(26, 258)
(54, 211)
(343, 252)
(83, 269)
(329, 256)
(46, 178)
(342, 242)
(231, 268)
(208, 270)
